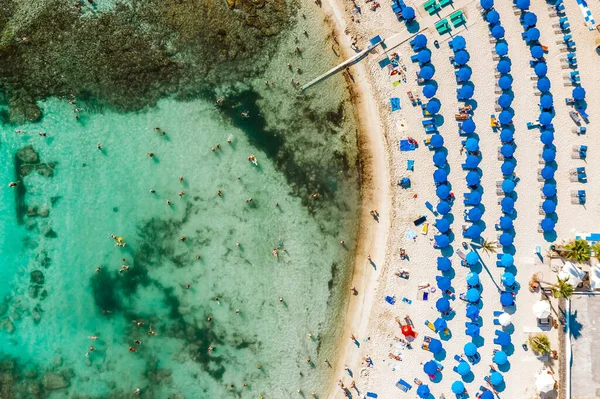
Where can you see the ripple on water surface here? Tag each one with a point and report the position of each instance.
(56, 229)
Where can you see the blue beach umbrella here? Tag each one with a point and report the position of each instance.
(457, 386)
(464, 74)
(543, 84)
(545, 118)
(533, 34)
(437, 141)
(472, 312)
(424, 56)
(486, 395)
(506, 223)
(429, 91)
(458, 43)
(505, 100)
(433, 106)
(498, 32)
(423, 391)
(430, 368)
(500, 357)
(507, 168)
(540, 69)
(439, 159)
(462, 57)
(470, 349)
(506, 136)
(549, 190)
(443, 283)
(440, 176)
(465, 93)
(546, 101)
(548, 172)
(503, 339)
(473, 295)
(472, 258)
(473, 178)
(501, 49)
(505, 239)
(505, 118)
(523, 4)
(472, 144)
(443, 264)
(442, 192)
(547, 224)
(442, 305)
(507, 260)
(408, 13)
(493, 17)
(508, 279)
(474, 198)
(472, 161)
(427, 72)
(549, 206)
(508, 186)
(474, 215)
(503, 66)
(435, 346)
(505, 82)
(506, 299)
(537, 52)
(473, 232)
(496, 378)
(486, 4)
(472, 330)
(472, 279)
(440, 324)
(548, 155)
(442, 240)
(578, 93)
(529, 19)
(468, 126)
(507, 150)
(507, 204)
(443, 225)
(463, 368)
(547, 137)
(443, 208)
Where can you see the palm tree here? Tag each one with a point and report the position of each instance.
(489, 247)
(540, 343)
(577, 250)
(596, 250)
(562, 289)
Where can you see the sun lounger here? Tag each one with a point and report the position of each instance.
(410, 165)
(444, 3)
(442, 27)
(403, 385)
(457, 18)
(431, 6)
(430, 129)
(461, 254)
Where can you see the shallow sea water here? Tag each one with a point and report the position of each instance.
(60, 225)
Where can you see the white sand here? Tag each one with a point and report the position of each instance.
(368, 314)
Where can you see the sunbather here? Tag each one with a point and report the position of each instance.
(403, 274)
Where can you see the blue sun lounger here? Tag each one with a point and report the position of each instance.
(403, 385)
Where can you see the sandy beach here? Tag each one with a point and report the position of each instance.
(369, 317)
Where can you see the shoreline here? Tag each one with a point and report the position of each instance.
(375, 183)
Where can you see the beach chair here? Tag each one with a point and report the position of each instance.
(403, 385)
(457, 18)
(428, 122)
(442, 27)
(444, 3)
(430, 129)
(410, 165)
(431, 6)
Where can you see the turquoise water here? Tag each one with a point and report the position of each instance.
(56, 228)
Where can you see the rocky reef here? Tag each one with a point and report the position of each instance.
(132, 55)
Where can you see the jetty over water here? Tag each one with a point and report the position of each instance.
(373, 43)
